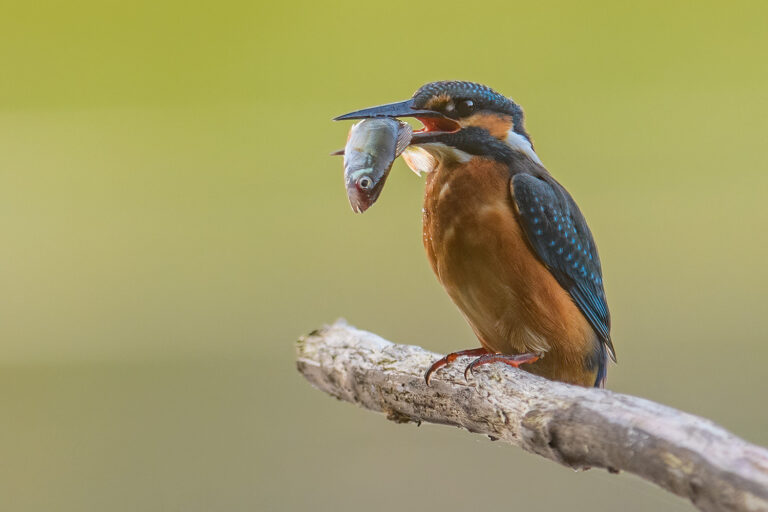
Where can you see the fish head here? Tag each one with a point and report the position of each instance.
(363, 187)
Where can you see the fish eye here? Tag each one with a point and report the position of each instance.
(465, 107)
(365, 183)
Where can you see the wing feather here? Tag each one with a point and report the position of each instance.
(560, 237)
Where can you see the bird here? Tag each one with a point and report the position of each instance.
(505, 239)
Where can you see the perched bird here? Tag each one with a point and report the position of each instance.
(505, 239)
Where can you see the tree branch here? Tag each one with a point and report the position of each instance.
(577, 427)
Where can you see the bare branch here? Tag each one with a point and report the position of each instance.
(577, 427)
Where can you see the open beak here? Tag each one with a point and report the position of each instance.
(434, 122)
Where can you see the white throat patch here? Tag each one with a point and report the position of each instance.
(425, 158)
(521, 144)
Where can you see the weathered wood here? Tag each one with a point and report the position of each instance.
(577, 427)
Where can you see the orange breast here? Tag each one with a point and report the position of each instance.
(479, 253)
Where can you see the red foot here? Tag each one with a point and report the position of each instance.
(451, 358)
(511, 360)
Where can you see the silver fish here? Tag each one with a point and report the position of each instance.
(372, 146)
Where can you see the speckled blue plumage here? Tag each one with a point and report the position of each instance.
(560, 237)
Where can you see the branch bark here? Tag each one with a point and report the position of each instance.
(577, 427)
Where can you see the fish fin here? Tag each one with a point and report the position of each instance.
(419, 160)
(340, 152)
(404, 136)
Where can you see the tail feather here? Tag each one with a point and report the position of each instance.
(602, 366)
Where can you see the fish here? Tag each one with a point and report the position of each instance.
(372, 147)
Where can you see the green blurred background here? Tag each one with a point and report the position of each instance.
(171, 222)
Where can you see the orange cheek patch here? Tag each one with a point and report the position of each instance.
(497, 125)
(437, 102)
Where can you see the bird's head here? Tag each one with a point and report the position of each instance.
(460, 119)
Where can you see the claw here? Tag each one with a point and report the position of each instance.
(468, 370)
(511, 360)
(451, 358)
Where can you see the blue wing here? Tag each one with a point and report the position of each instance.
(560, 237)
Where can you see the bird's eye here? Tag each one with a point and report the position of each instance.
(465, 107)
(365, 183)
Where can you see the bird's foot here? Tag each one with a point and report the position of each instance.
(511, 360)
(451, 358)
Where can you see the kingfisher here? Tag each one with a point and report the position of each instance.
(504, 238)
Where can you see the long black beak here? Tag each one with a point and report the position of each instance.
(436, 125)
(399, 109)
